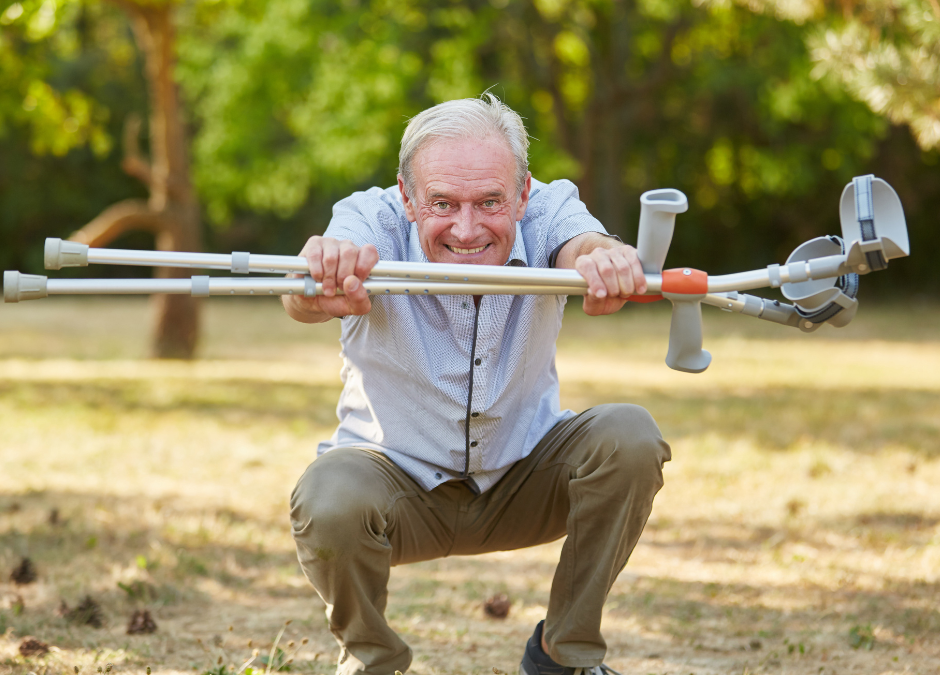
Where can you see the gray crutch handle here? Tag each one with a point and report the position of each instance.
(658, 209)
(685, 288)
(685, 338)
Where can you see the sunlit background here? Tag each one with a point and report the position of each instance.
(799, 528)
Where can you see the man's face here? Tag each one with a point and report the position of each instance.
(465, 203)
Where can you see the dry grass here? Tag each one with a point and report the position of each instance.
(800, 515)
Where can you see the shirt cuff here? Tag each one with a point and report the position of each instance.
(553, 256)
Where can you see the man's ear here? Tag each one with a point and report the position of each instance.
(406, 202)
(523, 201)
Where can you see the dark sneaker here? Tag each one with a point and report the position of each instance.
(537, 662)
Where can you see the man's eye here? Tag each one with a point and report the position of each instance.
(443, 206)
(489, 203)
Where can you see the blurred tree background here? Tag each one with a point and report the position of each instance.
(760, 111)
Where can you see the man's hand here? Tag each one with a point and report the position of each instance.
(611, 269)
(337, 264)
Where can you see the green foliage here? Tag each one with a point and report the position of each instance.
(40, 42)
(759, 111)
(887, 54)
(224, 670)
(190, 565)
(138, 590)
(293, 96)
(862, 637)
(278, 663)
(64, 92)
(884, 52)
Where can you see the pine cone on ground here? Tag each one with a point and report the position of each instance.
(25, 573)
(141, 622)
(87, 613)
(31, 646)
(497, 607)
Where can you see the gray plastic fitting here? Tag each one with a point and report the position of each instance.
(18, 286)
(58, 254)
(658, 209)
(685, 335)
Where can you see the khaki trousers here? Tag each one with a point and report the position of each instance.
(354, 514)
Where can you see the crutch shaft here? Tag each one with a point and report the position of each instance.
(19, 287)
(59, 253)
(70, 254)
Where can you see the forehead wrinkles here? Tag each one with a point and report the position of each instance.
(464, 168)
(465, 190)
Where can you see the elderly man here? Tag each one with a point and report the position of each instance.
(451, 439)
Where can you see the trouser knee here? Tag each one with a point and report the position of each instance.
(331, 514)
(627, 439)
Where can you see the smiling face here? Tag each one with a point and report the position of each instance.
(465, 203)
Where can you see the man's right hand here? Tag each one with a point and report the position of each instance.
(336, 264)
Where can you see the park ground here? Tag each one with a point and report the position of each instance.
(798, 531)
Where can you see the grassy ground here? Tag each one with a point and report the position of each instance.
(798, 532)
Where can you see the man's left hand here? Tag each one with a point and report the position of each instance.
(613, 275)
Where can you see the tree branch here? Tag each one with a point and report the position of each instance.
(130, 214)
(133, 164)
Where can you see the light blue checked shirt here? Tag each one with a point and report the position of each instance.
(407, 363)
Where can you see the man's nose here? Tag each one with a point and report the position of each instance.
(464, 227)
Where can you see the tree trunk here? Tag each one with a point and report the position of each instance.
(172, 211)
(171, 192)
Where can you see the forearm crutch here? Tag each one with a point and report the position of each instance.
(820, 276)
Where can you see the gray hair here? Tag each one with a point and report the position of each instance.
(482, 117)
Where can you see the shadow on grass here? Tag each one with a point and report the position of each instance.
(778, 419)
(228, 399)
(715, 540)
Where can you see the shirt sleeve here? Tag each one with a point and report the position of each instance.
(559, 215)
(375, 217)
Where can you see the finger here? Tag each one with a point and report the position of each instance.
(635, 269)
(356, 296)
(338, 305)
(625, 281)
(600, 306)
(313, 252)
(346, 265)
(591, 305)
(607, 271)
(330, 264)
(639, 276)
(587, 268)
(368, 257)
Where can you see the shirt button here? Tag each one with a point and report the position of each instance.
(478, 361)
(463, 304)
(474, 414)
(473, 444)
(438, 475)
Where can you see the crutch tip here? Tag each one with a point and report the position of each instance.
(18, 286)
(11, 286)
(59, 253)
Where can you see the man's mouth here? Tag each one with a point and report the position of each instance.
(465, 251)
